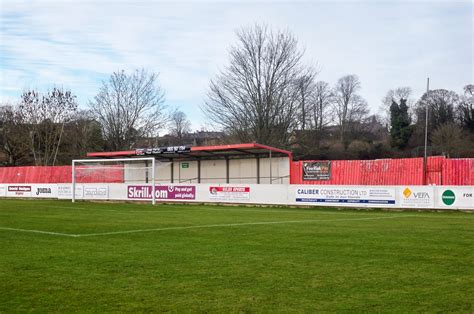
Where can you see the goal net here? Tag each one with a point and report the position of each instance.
(90, 172)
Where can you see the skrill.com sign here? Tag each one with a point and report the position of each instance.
(162, 192)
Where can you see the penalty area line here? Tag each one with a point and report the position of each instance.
(39, 231)
(235, 225)
(257, 223)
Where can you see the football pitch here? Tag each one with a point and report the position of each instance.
(56, 256)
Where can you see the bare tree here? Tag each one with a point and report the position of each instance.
(254, 98)
(449, 139)
(44, 117)
(13, 136)
(465, 110)
(305, 88)
(129, 107)
(441, 104)
(84, 135)
(469, 92)
(323, 100)
(179, 124)
(349, 106)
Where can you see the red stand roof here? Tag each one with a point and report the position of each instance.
(208, 152)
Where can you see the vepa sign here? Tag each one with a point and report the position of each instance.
(417, 196)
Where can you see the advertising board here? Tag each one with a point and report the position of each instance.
(345, 195)
(96, 192)
(162, 150)
(162, 192)
(416, 196)
(316, 170)
(45, 190)
(447, 197)
(65, 191)
(229, 193)
(19, 190)
(453, 197)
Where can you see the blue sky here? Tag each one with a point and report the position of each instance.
(77, 44)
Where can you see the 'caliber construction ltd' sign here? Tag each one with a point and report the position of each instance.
(316, 170)
(162, 192)
(341, 194)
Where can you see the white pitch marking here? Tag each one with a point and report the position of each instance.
(65, 207)
(210, 226)
(157, 211)
(234, 225)
(40, 231)
(295, 210)
(191, 227)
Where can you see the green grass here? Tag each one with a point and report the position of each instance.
(323, 260)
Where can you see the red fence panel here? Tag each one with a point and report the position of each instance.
(61, 174)
(406, 171)
(434, 170)
(458, 172)
(295, 172)
(392, 171)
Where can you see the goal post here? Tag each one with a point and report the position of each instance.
(120, 170)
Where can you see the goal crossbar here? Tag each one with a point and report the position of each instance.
(85, 161)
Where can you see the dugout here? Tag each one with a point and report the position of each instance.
(236, 163)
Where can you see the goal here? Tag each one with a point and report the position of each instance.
(123, 170)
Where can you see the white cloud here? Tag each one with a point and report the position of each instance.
(76, 44)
